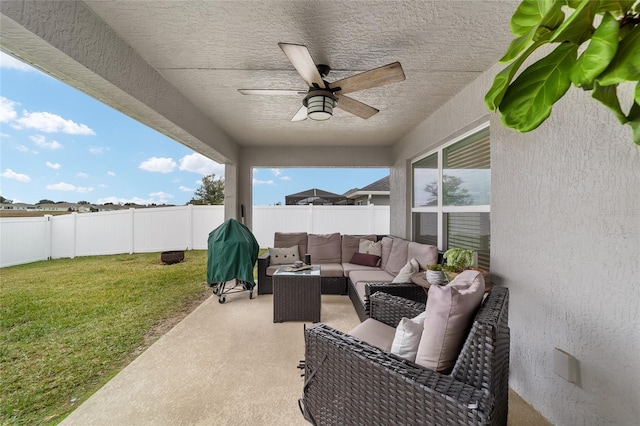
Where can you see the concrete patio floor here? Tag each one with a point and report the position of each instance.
(225, 364)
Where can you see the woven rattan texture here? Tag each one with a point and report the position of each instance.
(349, 382)
(296, 298)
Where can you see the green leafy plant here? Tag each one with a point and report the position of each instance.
(609, 31)
(458, 259)
(434, 267)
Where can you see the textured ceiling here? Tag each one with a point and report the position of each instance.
(209, 49)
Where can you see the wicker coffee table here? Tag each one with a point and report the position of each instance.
(296, 295)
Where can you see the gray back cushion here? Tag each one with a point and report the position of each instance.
(290, 239)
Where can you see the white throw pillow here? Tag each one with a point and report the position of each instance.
(283, 256)
(407, 337)
(404, 276)
(370, 247)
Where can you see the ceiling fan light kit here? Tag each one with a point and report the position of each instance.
(320, 104)
(322, 97)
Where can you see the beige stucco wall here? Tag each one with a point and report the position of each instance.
(565, 221)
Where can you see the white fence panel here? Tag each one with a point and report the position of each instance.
(166, 228)
(345, 220)
(104, 233)
(382, 220)
(269, 219)
(205, 219)
(23, 240)
(63, 236)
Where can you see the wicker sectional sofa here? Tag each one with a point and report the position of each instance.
(350, 382)
(333, 252)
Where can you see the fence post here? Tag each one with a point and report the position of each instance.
(132, 212)
(190, 226)
(372, 219)
(74, 215)
(49, 239)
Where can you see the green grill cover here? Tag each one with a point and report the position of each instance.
(233, 250)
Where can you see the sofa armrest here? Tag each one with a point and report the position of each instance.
(263, 263)
(391, 309)
(405, 290)
(344, 376)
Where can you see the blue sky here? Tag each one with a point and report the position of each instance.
(59, 144)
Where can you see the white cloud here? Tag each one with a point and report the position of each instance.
(162, 197)
(285, 178)
(54, 166)
(82, 175)
(102, 185)
(158, 164)
(5, 135)
(119, 200)
(262, 182)
(185, 189)
(63, 186)
(10, 174)
(8, 61)
(52, 123)
(7, 112)
(42, 142)
(154, 197)
(198, 163)
(276, 172)
(98, 149)
(110, 173)
(22, 148)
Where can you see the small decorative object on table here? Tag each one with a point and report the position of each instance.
(435, 275)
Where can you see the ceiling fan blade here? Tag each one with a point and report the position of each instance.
(390, 73)
(300, 58)
(301, 115)
(354, 107)
(272, 92)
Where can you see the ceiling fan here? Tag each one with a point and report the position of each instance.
(322, 96)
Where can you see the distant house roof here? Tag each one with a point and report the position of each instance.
(379, 187)
(313, 196)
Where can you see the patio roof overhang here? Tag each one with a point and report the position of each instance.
(177, 68)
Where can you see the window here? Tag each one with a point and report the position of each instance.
(451, 203)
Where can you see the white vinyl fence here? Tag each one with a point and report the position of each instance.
(25, 240)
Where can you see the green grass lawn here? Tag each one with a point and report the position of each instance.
(69, 325)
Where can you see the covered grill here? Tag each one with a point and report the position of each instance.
(233, 251)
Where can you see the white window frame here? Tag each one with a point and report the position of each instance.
(440, 209)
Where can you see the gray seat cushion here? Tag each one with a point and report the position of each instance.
(331, 270)
(375, 333)
(349, 267)
(370, 276)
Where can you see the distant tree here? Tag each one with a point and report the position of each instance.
(453, 194)
(83, 202)
(108, 204)
(45, 201)
(5, 200)
(61, 202)
(210, 192)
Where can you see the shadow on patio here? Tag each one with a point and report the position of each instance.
(225, 364)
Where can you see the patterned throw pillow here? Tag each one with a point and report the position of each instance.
(370, 247)
(283, 256)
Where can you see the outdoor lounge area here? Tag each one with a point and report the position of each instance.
(552, 213)
(217, 367)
